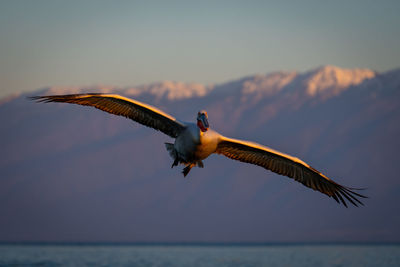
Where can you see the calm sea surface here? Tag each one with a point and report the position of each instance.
(199, 255)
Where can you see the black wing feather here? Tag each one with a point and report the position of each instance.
(122, 106)
(288, 166)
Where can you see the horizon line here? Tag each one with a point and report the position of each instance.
(201, 243)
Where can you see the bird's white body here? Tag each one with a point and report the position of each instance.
(193, 145)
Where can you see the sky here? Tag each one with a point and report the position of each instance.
(128, 43)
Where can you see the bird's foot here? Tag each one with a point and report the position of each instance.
(200, 164)
(187, 169)
(175, 163)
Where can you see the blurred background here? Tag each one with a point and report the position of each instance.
(320, 81)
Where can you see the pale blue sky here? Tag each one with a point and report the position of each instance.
(122, 43)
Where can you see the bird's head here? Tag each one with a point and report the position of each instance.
(202, 120)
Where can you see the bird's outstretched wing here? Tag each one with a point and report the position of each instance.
(122, 106)
(283, 164)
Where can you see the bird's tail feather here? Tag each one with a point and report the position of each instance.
(171, 150)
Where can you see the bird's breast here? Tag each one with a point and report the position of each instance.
(208, 144)
(192, 144)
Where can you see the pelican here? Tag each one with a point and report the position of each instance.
(194, 142)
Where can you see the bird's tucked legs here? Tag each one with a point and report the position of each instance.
(187, 169)
(173, 154)
(200, 164)
(175, 163)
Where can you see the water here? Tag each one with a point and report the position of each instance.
(200, 255)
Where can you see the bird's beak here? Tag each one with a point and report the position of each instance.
(202, 119)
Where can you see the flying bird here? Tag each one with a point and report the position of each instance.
(194, 142)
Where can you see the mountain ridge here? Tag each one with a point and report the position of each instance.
(324, 81)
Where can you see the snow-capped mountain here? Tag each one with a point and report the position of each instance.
(75, 173)
(324, 81)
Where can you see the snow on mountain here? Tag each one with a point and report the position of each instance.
(168, 90)
(325, 82)
(268, 84)
(172, 90)
(330, 80)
